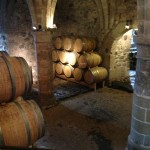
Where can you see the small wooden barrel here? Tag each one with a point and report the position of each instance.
(21, 123)
(89, 60)
(58, 42)
(68, 70)
(91, 44)
(59, 68)
(85, 60)
(55, 55)
(96, 59)
(84, 44)
(68, 43)
(63, 57)
(95, 75)
(72, 58)
(78, 74)
(15, 78)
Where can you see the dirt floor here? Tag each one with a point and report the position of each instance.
(91, 120)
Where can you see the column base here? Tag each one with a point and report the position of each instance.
(46, 100)
(133, 146)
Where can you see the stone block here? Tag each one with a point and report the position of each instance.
(42, 37)
(139, 113)
(140, 127)
(43, 47)
(148, 116)
(136, 137)
(147, 141)
(141, 101)
(43, 63)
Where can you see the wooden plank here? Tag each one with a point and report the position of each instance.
(92, 86)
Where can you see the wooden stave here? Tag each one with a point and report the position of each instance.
(15, 82)
(95, 74)
(30, 120)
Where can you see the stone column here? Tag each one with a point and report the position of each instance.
(43, 44)
(139, 138)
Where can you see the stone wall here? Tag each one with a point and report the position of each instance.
(83, 18)
(76, 17)
(71, 17)
(3, 42)
(119, 57)
(18, 33)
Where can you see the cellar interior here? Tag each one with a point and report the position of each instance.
(78, 70)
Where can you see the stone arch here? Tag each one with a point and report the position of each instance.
(42, 12)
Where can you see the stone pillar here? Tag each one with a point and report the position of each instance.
(43, 44)
(139, 138)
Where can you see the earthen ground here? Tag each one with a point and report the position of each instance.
(95, 120)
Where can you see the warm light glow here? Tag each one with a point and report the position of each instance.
(71, 58)
(34, 28)
(53, 26)
(50, 13)
(127, 27)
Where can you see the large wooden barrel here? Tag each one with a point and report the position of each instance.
(68, 70)
(72, 58)
(59, 68)
(63, 57)
(21, 123)
(88, 60)
(97, 59)
(82, 44)
(95, 75)
(55, 55)
(68, 42)
(15, 78)
(58, 42)
(78, 74)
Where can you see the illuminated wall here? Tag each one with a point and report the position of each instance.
(18, 28)
(119, 57)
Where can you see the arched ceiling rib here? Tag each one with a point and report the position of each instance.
(42, 12)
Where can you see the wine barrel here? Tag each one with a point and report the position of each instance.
(21, 123)
(88, 60)
(27, 72)
(72, 58)
(78, 74)
(58, 42)
(82, 44)
(68, 70)
(68, 43)
(97, 59)
(95, 75)
(59, 68)
(55, 56)
(63, 57)
(15, 78)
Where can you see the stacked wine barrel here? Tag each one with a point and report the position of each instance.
(21, 122)
(75, 57)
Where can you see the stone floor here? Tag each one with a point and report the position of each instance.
(92, 120)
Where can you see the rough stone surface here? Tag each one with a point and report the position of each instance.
(119, 57)
(18, 34)
(93, 120)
